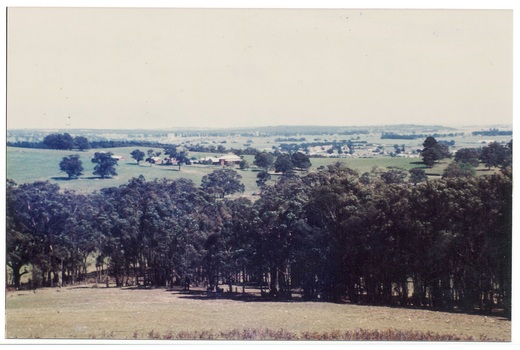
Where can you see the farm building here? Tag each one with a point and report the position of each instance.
(114, 156)
(156, 160)
(227, 159)
(209, 160)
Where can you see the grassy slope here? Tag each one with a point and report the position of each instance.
(84, 312)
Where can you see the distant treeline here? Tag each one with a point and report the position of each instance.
(493, 132)
(290, 139)
(396, 136)
(93, 144)
(67, 142)
(296, 130)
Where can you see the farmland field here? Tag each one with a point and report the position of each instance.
(85, 312)
(29, 165)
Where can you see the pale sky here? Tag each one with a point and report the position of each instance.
(167, 68)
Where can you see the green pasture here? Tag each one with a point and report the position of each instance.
(29, 165)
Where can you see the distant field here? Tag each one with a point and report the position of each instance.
(29, 165)
(84, 312)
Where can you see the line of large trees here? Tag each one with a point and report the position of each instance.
(441, 243)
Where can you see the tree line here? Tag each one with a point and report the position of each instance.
(331, 235)
(68, 142)
(414, 136)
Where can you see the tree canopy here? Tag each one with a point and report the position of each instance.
(82, 143)
(283, 163)
(434, 151)
(138, 155)
(179, 153)
(496, 155)
(105, 164)
(264, 160)
(72, 165)
(443, 244)
(468, 155)
(221, 182)
(59, 141)
(301, 161)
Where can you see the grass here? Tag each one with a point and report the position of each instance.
(92, 312)
(29, 165)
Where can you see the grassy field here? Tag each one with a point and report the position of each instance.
(85, 312)
(29, 165)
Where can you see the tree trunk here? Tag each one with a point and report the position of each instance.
(274, 283)
(244, 280)
(17, 275)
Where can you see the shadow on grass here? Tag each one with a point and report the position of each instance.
(245, 297)
(235, 296)
(97, 178)
(64, 178)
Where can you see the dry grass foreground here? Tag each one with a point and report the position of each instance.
(124, 313)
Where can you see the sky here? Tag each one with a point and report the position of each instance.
(151, 68)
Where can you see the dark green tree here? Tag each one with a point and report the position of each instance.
(82, 143)
(244, 164)
(105, 164)
(496, 155)
(59, 141)
(238, 218)
(468, 155)
(264, 160)
(283, 163)
(221, 182)
(335, 211)
(262, 178)
(394, 175)
(459, 169)
(279, 216)
(417, 175)
(433, 151)
(138, 155)
(19, 241)
(72, 165)
(37, 214)
(301, 161)
(179, 153)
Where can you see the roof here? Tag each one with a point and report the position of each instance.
(211, 159)
(230, 157)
